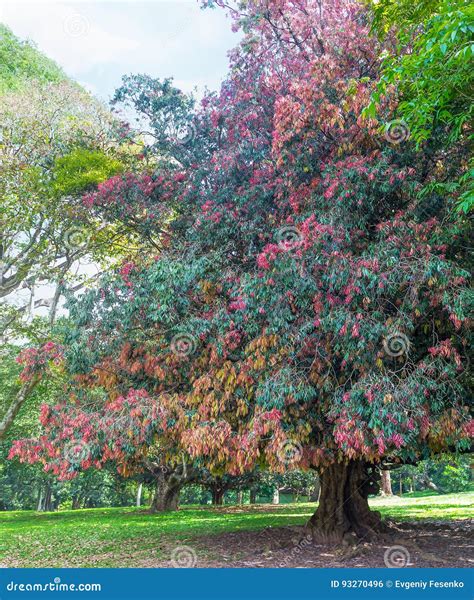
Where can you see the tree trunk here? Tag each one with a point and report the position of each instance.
(343, 507)
(240, 497)
(218, 496)
(253, 496)
(48, 499)
(15, 406)
(139, 494)
(314, 495)
(166, 493)
(430, 484)
(386, 484)
(40, 500)
(276, 496)
(76, 502)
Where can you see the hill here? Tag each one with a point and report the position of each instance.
(21, 62)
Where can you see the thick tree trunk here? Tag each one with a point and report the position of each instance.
(218, 496)
(386, 484)
(166, 495)
(48, 500)
(240, 497)
(253, 496)
(343, 509)
(276, 496)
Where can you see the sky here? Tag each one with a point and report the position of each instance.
(97, 41)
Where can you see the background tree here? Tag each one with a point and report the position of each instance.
(21, 62)
(56, 143)
(429, 65)
(443, 474)
(386, 483)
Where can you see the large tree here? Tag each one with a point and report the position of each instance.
(304, 307)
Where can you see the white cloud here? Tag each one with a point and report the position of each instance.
(67, 33)
(98, 41)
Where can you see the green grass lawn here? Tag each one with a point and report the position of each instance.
(437, 507)
(118, 536)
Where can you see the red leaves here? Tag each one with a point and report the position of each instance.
(317, 252)
(446, 349)
(138, 201)
(36, 361)
(125, 271)
(237, 304)
(77, 439)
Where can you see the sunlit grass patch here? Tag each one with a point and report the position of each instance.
(106, 537)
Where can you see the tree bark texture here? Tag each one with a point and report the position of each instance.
(343, 507)
(166, 497)
(386, 484)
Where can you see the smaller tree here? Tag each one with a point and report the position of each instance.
(386, 483)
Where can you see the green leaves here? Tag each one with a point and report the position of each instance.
(430, 67)
(82, 170)
(466, 199)
(21, 62)
(434, 78)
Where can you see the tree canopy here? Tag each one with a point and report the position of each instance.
(304, 305)
(429, 66)
(21, 62)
